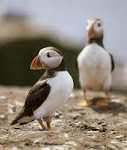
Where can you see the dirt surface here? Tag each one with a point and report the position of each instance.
(73, 127)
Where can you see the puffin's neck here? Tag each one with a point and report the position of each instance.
(51, 72)
(98, 40)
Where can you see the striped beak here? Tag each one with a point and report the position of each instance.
(37, 64)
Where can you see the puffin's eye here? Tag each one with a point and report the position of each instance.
(48, 55)
(99, 24)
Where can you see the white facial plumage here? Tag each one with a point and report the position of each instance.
(51, 58)
(97, 27)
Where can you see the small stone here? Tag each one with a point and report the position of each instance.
(37, 140)
(119, 136)
(14, 148)
(72, 143)
(72, 95)
(3, 97)
(58, 148)
(112, 147)
(57, 114)
(114, 142)
(75, 115)
(46, 148)
(11, 108)
(57, 121)
(18, 103)
(2, 116)
(66, 135)
(116, 100)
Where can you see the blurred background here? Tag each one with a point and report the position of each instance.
(26, 26)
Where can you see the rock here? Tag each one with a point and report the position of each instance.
(72, 143)
(75, 115)
(57, 121)
(37, 140)
(119, 136)
(18, 103)
(2, 116)
(46, 148)
(72, 95)
(116, 100)
(58, 114)
(65, 135)
(11, 108)
(111, 147)
(14, 148)
(3, 97)
(58, 148)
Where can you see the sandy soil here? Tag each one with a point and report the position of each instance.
(73, 127)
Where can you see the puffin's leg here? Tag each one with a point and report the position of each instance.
(48, 125)
(48, 122)
(84, 102)
(42, 124)
(103, 102)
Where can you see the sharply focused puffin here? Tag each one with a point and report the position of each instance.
(50, 92)
(94, 63)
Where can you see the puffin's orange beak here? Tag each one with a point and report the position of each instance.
(36, 64)
(91, 32)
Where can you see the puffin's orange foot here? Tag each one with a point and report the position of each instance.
(84, 103)
(42, 124)
(48, 125)
(102, 103)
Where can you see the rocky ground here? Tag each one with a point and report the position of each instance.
(73, 127)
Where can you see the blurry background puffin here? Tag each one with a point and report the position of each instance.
(95, 64)
(50, 92)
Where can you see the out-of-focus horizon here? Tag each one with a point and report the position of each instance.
(64, 22)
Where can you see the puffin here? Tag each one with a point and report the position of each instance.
(50, 92)
(95, 64)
